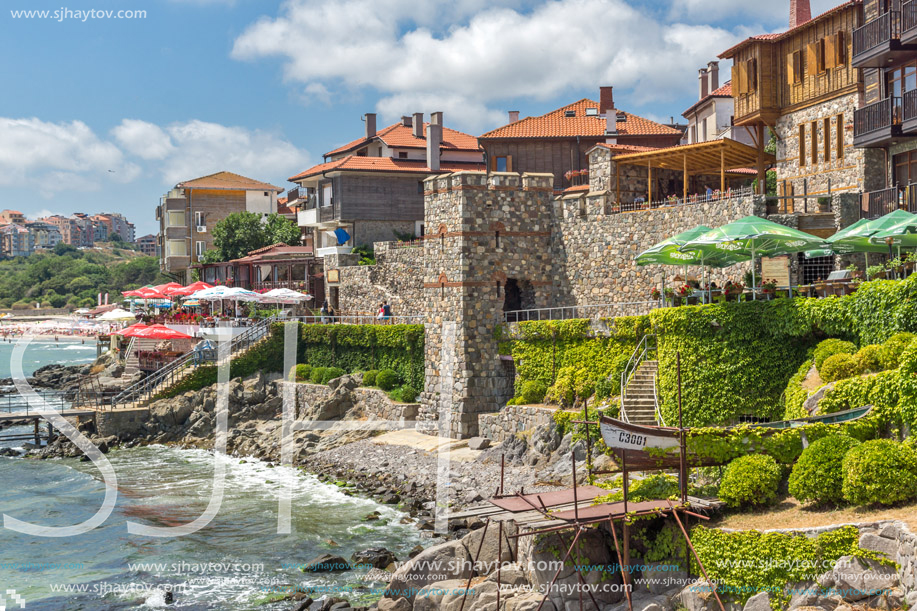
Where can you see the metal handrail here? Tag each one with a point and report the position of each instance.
(659, 419)
(569, 312)
(357, 319)
(636, 359)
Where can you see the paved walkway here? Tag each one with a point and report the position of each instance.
(458, 448)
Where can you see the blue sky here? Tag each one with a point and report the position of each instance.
(106, 114)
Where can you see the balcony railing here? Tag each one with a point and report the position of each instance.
(879, 31)
(910, 105)
(874, 204)
(297, 193)
(909, 16)
(880, 115)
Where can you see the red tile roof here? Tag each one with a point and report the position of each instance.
(352, 163)
(400, 136)
(723, 92)
(227, 181)
(625, 148)
(729, 53)
(576, 189)
(556, 124)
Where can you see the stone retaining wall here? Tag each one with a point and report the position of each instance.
(372, 403)
(397, 277)
(121, 422)
(513, 419)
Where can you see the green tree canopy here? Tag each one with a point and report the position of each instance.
(241, 232)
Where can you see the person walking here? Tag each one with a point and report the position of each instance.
(386, 311)
(325, 312)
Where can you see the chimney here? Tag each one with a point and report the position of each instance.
(436, 118)
(417, 125)
(513, 116)
(702, 82)
(606, 100)
(800, 12)
(370, 119)
(713, 71)
(434, 138)
(406, 121)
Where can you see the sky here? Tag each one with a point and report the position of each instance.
(101, 114)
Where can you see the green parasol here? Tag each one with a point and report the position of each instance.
(857, 237)
(753, 236)
(903, 233)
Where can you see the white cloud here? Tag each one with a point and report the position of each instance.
(55, 157)
(487, 53)
(145, 140)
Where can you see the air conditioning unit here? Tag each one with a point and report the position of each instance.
(202, 228)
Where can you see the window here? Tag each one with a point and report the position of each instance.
(327, 195)
(900, 80)
(751, 71)
(503, 163)
(199, 249)
(794, 68)
(569, 113)
(905, 168)
(199, 219)
(420, 187)
(813, 146)
(840, 136)
(266, 194)
(176, 218)
(826, 130)
(833, 50)
(802, 144)
(402, 155)
(176, 248)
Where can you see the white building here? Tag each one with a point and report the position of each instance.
(710, 118)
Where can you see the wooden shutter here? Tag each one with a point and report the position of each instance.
(802, 145)
(830, 54)
(743, 77)
(735, 80)
(811, 59)
(791, 68)
(751, 75)
(493, 164)
(826, 145)
(840, 136)
(840, 49)
(813, 147)
(509, 163)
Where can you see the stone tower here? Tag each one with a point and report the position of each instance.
(487, 248)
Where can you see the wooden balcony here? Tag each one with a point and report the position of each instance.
(909, 113)
(879, 203)
(909, 22)
(876, 125)
(878, 43)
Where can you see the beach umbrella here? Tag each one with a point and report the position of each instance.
(117, 314)
(903, 233)
(285, 296)
(190, 289)
(857, 237)
(754, 236)
(213, 293)
(161, 332)
(165, 288)
(132, 330)
(237, 293)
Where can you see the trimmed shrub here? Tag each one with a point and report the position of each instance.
(318, 373)
(409, 393)
(387, 379)
(331, 373)
(533, 391)
(894, 348)
(870, 358)
(880, 472)
(839, 367)
(830, 347)
(369, 377)
(303, 372)
(818, 474)
(750, 480)
(907, 386)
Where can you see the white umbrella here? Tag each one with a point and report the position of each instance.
(285, 296)
(237, 293)
(212, 294)
(117, 314)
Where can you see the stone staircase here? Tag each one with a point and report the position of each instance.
(639, 397)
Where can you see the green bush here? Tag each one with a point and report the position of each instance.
(533, 391)
(387, 379)
(893, 349)
(750, 480)
(658, 486)
(409, 393)
(880, 472)
(605, 388)
(907, 386)
(839, 367)
(870, 359)
(331, 373)
(318, 374)
(303, 372)
(795, 395)
(829, 348)
(369, 377)
(818, 474)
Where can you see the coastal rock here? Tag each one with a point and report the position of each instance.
(479, 443)
(759, 602)
(377, 557)
(487, 557)
(510, 575)
(326, 563)
(857, 577)
(529, 602)
(592, 549)
(889, 547)
(450, 559)
(661, 577)
(393, 604)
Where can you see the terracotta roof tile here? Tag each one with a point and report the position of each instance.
(352, 163)
(626, 148)
(400, 136)
(780, 35)
(556, 124)
(723, 92)
(229, 182)
(576, 189)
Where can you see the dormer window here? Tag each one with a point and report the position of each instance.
(402, 155)
(569, 113)
(620, 117)
(592, 112)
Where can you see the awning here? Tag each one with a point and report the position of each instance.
(701, 158)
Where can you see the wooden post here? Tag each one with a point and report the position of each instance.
(617, 184)
(761, 172)
(649, 181)
(37, 432)
(722, 171)
(684, 179)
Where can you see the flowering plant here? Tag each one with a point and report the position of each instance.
(654, 293)
(684, 290)
(769, 286)
(733, 287)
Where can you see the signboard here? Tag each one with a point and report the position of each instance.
(618, 437)
(333, 276)
(776, 268)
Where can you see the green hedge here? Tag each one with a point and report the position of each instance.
(751, 480)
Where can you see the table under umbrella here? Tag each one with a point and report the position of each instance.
(753, 236)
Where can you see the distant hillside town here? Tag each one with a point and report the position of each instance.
(20, 237)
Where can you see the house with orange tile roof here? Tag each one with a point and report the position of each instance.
(711, 117)
(557, 142)
(188, 213)
(371, 189)
(12, 216)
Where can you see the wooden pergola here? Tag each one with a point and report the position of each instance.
(707, 158)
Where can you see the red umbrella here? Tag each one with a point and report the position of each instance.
(132, 330)
(190, 289)
(165, 288)
(161, 332)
